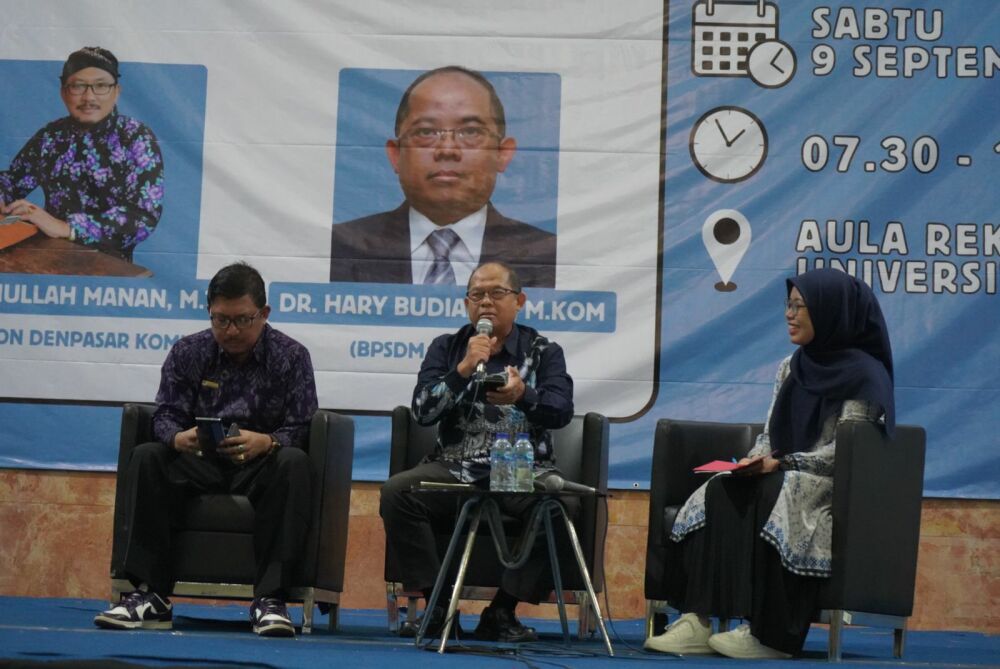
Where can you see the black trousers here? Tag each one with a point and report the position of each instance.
(160, 480)
(409, 521)
(726, 570)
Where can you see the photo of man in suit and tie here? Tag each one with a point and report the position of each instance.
(450, 145)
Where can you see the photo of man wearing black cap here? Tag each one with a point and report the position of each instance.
(101, 172)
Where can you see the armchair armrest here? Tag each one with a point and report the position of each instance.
(678, 447)
(137, 428)
(401, 421)
(877, 495)
(331, 449)
(410, 441)
(594, 439)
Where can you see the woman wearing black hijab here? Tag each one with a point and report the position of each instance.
(758, 545)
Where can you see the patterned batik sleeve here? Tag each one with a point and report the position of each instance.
(548, 392)
(177, 398)
(131, 199)
(439, 385)
(820, 459)
(300, 402)
(21, 178)
(763, 444)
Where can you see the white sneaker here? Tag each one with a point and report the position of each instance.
(742, 645)
(685, 636)
(138, 610)
(269, 617)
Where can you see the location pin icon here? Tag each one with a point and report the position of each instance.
(726, 234)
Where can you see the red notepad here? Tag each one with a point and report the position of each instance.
(718, 466)
(726, 466)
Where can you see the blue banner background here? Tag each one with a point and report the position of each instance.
(718, 350)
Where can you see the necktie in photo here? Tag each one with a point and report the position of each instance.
(441, 243)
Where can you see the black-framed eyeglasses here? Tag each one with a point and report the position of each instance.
(794, 306)
(78, 88)
(220, 322)
(495, 294)
(467, 136)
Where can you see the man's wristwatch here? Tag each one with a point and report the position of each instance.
(275, 445)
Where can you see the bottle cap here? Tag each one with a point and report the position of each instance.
(503, 435)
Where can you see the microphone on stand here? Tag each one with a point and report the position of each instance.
(556, 483)
(483, 326)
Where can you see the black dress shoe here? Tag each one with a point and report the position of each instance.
(409, 628)
(498, 624)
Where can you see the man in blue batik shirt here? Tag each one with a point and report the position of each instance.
(245, 372)
(537, 397)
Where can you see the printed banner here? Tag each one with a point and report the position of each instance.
(665, 166)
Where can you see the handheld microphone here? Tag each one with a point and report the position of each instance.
(556, 483)
(483, 326)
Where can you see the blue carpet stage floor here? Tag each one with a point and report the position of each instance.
(60, 633)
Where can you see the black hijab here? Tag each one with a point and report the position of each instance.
(848, 359)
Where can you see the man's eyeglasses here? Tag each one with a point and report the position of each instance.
(794, 306)
(468, 136)
(220, 322)
(78, 88)
(495, 294)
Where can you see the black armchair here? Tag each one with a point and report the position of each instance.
(213, 542)
(877, 492)
(581, 451)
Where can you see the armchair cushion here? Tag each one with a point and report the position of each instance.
(218, 513)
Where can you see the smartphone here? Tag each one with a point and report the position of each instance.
(495, 381)
(210, 434)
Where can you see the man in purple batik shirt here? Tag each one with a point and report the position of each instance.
(101, 172)
(242, 371)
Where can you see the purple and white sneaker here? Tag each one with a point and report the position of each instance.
(269, 617)
(138, 610)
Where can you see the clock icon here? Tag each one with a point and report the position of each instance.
(771, 63)
(728, 144)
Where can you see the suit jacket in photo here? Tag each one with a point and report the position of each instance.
(376, 248)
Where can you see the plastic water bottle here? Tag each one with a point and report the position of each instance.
(508, 472)
(506, 464)
(501, 456)
(524, 464)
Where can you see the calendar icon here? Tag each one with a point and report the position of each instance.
(725, 31)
